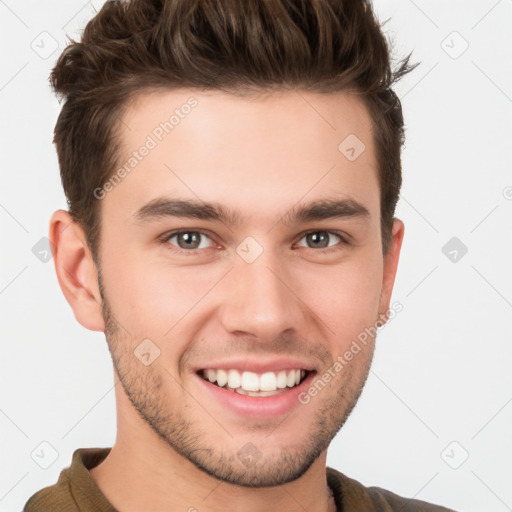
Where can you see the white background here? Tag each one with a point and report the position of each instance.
(442, 369)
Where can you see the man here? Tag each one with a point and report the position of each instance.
(232, 170)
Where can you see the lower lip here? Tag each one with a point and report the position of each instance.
(258, 407)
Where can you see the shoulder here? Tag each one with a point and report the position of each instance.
(54, 497)
(395, 502)
(75, 489)
(352, 496)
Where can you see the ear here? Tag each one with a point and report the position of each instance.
(390, 266)
(76, 271)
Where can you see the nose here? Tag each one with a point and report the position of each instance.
(259, 299)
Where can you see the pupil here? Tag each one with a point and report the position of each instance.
(320, 236)
(187, 237)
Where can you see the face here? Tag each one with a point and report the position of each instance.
(243, 244)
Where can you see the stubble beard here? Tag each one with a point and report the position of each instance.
(144, 387)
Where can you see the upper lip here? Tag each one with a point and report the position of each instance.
(258, 366)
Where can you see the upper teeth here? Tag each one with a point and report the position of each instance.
(251, 381)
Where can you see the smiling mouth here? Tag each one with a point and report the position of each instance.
(255, 384)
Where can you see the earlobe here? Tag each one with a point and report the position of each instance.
(76, 271)
(390, 266)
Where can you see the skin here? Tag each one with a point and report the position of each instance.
(176, 448)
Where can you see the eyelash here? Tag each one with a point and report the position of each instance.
(190, 252)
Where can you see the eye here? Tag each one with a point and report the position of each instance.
(187, 240)
(320, 240)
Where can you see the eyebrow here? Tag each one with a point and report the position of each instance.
(322, 209)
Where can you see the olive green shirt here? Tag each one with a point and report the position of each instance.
(76, 491)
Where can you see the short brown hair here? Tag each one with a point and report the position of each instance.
(235, 46)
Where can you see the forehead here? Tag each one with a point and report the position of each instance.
(272, 149)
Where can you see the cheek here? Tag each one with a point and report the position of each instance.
(150, 297)
(346, 296)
